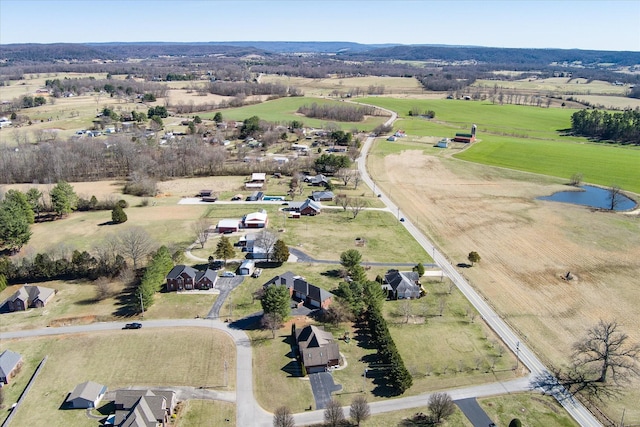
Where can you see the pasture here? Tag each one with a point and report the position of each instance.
(526, 245)
(522, 138)
(555, 85)
(116, 359)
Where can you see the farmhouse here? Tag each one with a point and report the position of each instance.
(143, 408)
(255, 220)
(322, 196)
(402, 284)
(303, 292)
(317, 181)
(228, 226)
(28, 297)
(309, 207)
(86, 395)
(10, 363)
(183, 277)
(258, 179)
(316, 349)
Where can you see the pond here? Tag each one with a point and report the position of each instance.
(595, 197)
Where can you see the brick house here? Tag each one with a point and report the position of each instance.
(184, 278)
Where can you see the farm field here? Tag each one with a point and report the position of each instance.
(283, 111)
(137, 361)
(523, 138)
(557, 86)
(393, 86)
(525, 245)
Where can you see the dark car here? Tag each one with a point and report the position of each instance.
(134, 325)
(401, 219)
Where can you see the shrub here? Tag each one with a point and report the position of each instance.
(118, 216)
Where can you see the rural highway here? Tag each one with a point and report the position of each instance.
(510, 339)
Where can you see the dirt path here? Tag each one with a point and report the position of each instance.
(526, 246)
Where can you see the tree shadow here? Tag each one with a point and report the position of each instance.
(417, 420)
(248, 323)
(334, 273)
(106, 223)
(127, 303)
(463, 265)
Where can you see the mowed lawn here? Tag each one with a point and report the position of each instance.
(522, 138)
(145, 357)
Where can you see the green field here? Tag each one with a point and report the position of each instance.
(523, 138)
(283, 111)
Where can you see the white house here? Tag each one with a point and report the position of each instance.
(86, 395)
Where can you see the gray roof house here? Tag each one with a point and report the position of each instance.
(10, 362)
(143, 408)
(28, 297)
(302, 291)
(402, 284)
(317, 349)
(86, 395)
(322, 196)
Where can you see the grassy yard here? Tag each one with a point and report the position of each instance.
(533, 410)
(197, 413)
(116, 359)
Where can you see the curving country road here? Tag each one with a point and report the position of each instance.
(515, 344)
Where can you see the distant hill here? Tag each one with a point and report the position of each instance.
(495, 55)
(307, 47)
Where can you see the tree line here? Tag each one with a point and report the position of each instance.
(623, 127)
(340, 113)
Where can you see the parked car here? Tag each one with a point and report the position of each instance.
(401, 219)
(134, 325)
(228, 274)
(257, 272)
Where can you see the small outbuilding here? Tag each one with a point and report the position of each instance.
(247, 267)
(10, 363)
(228, 226)
(86, 395)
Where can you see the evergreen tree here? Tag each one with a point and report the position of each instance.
(118, 216)
(14, 226)
(63, 198)
(275, 300)
(280, 252)
(224, 249)
(20, 199)
(3, 282)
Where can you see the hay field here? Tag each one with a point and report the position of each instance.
(562, 85)
(322, 87)
(525, 245)
(610, 102)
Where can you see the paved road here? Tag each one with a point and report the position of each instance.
(525, 355)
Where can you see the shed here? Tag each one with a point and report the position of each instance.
(258, 177)
(86, 395)
(228, 225)
(247, 267)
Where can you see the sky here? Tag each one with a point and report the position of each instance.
(566, 24)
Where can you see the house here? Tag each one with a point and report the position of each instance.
(402, 284)
(255, 219)
(322, 196)
(228, 226)
(247, 267)
(302, 291)
(256, 196)
(205, 193)
(28, 297)
(183, 277)
(316, 349)
(10, 363)
(400, 134)
(392, 138)
(255, 250)
(86, 395)
(309, 207)
(317, 180)
(142, 408)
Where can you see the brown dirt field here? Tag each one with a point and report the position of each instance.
(526, 245)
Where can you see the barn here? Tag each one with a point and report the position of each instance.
(228, 226)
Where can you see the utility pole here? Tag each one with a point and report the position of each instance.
(517, 354)
(364, 379)
(225, 372)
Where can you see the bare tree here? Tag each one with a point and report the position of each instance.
(103, 288)
(359, 410)
(576, 179)
(135, 243)
(345, 175)
(615, 196)
(405, 309)
(356, 205)
(282, 417)
(266, 240)
(356, 179)
(441, 306)
(342, 200)
(606, 351)
(201, 230)
(271, 321)
(333, 414)
(441, 406)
